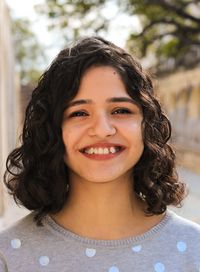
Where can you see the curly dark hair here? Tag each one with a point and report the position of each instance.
(36, 174)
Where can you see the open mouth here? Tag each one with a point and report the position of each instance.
(102, 150)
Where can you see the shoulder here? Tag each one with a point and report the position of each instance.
(10, 239)
(24, 225)
(24, 229)
(18, 243)
(178, 224)
(183, 236)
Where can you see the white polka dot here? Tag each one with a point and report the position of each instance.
(137, 248)
(44, 260)
(159, 267)
(181, 246)
(113, 269)
(90, 252)
(16, 243)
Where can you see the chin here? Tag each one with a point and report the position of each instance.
(104, 178)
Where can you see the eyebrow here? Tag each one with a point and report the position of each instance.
(109, 100)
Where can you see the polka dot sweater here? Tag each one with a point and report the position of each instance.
(171, 246)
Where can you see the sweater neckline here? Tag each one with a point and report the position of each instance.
(65, 233)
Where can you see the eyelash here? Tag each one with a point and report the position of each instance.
(124, 110)
(82, 113)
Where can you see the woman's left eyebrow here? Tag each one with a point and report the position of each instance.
(120, 99)
(109, 100)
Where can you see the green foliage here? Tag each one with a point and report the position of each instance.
(169, 29)
(169, 49)
(76, 17)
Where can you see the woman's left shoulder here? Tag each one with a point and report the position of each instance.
(182, 223)
(181, 238)
(183, 228)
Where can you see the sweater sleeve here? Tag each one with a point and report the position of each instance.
(3, 265)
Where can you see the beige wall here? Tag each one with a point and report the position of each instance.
(180, 93)
(9, 104)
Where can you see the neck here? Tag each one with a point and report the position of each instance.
(104, 210)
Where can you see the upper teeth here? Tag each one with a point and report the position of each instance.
(101, 150)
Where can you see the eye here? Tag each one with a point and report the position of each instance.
(78, 114)
(122, 111)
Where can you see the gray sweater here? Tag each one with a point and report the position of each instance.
(171, 246)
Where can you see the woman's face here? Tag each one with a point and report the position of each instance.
(101, 129)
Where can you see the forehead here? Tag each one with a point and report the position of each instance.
(101, 81)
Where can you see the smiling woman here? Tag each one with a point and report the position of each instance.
(96, 169)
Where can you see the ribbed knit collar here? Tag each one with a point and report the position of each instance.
(53, 226)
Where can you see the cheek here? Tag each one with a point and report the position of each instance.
(135, 136)
(133, 128)
(71, 136)
(65, 136)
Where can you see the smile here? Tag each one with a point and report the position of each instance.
(102, 153)
(101, 150)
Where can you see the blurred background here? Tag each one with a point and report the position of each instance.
(163, 34)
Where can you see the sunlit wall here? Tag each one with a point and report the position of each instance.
(8, 97)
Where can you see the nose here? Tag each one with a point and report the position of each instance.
(101, 127)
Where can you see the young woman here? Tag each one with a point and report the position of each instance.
(97, 172)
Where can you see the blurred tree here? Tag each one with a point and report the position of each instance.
(170, 29)
(29, 53)
(75, 16)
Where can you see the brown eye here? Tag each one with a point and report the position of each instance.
(78, 114)
(122, 111)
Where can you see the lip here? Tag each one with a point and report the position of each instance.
(103, 145)
(103, 156)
